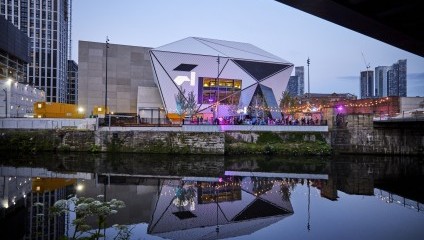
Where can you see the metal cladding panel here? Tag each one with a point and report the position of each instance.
(207, 66)
(278, 82)
(232, 71)
(168, 89)
(170, 63)
(247, 95)
(260, 70)
(189, 45)
(165, 63)
(241, 50)
(271, 101)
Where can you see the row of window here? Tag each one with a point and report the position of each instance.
(226, 91)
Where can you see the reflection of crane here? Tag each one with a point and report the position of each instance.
(367, 66)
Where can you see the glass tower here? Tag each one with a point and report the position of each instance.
(367, 84)
(397, 79)
(46, 23)
(381, 76)
(295, 86)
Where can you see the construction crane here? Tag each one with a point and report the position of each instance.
(367, 66)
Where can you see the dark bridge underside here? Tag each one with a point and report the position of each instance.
(399, 23)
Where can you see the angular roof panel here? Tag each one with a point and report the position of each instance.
(240, 50)
(214, 47)
(260, 70)
(188, 45)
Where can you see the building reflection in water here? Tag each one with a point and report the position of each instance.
(225, 207)
(239, 202)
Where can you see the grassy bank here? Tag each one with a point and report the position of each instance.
(269, 143)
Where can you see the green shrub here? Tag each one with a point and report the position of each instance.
(268, 138)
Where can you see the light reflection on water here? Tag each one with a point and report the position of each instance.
(207, 197)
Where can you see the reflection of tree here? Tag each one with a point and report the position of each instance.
(261, 185)
(285, 191)
(184, 195)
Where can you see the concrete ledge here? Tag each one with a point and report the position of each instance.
(47, 123)
(222, 128)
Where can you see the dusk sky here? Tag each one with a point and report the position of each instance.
(335, 52)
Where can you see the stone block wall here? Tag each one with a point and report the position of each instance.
(162, 142)
(361, 136)
(114, 141)
(252, 137)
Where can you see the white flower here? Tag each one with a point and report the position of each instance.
(60, 203)
(82, 207)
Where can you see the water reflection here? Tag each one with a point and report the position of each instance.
(195, 197)
(218, 208)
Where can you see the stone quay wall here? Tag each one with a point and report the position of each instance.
(360, 135)
(161, 142)
(25, 140)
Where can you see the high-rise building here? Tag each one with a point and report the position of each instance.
(367, 84)
(397, 79)
(46, 24)
(14, 52)
(295, 86)
(381, 76)
(72, 94)
(300, 71)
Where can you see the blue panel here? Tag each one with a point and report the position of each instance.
(270, 100)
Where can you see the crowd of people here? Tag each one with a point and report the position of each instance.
(232, 120)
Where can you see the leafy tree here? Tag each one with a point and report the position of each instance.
(287, 102)
(191, 104)
(181, 102)
(185, 105)
(259, 105)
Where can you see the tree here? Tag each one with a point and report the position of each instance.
(287, 102)
(191, 104)
(259, 105)
(181, 102)
(185, 105)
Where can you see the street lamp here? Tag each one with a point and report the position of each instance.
(8, 82)
(309, 92)
(5, 100)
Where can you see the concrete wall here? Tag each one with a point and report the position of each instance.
(128, 68)
(361, 135)
(47, 123)
(410, 103)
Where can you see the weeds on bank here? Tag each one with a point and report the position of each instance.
(85, 208)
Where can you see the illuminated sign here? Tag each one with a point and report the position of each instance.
(179, 80)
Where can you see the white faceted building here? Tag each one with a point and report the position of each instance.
(223, 76)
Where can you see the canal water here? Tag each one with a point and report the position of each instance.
(209, 197)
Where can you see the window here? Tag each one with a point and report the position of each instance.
(227, 91)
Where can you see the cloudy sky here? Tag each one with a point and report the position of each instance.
(335, 52)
